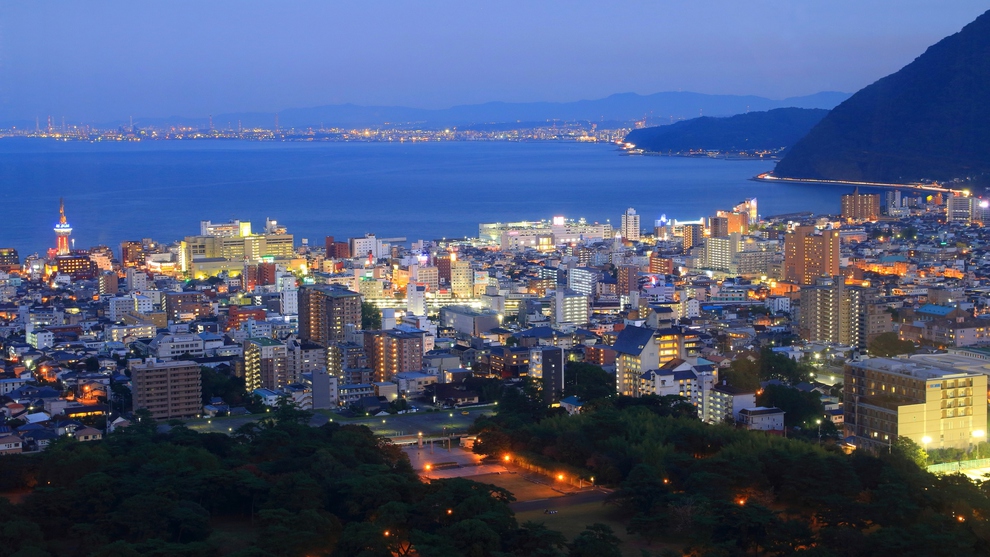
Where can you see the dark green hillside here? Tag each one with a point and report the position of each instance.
(770, 130)
(930, 120)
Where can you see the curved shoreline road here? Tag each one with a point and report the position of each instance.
(769, 177)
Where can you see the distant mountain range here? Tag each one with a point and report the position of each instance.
(619, 108)
(930, 120)
(769, 130)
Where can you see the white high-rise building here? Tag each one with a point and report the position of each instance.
(569, 308)
(416, 298)
(137, 281)
(630, 225)
(361, 247)
(288, 293)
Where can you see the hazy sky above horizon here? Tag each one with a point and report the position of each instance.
(105, 60)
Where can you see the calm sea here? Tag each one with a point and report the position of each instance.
(163, 190)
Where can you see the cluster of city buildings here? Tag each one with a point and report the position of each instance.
(665, 306)
(550, 131)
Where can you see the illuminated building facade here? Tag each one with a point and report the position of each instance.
(857, 206)
(808, 255)
(325, 311)
(936, 408)
(167, 389)
(62, 231)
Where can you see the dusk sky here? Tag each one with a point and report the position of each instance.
(98, 61)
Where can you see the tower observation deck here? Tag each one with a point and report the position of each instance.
(62, 231)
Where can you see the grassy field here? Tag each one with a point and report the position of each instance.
(571, 520)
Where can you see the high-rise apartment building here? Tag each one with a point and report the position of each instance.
(266, 364)
(108, 283)
(583, 280)
(462, 279)
(857, 206)
(167, 389)
(443, 263)
(960, 208)
(391, 352)
(304, 357)
(627, 279)
(132, 253)
(720, 252)
(342, 356)
(693, 235)
(809, 255)
(833, 311)
(661, 265)
(325, 311)
(569, 308)
(630, 225)
(416, 298)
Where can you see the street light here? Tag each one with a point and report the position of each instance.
(819, 422)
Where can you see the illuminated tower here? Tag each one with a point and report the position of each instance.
(62, 231)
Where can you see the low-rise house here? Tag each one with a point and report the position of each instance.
(572, 405)
(11, 444)
(762, 418)
(88, 434)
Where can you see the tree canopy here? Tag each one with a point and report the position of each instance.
(274, 489)
(723, 491)
(888, 345)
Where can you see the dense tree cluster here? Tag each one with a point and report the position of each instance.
(747, 373)
(724, 491)
(279, 488)
(888, 345)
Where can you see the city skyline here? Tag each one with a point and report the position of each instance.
(158, 62)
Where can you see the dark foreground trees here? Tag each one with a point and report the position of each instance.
(280, 489)
(724, 491)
